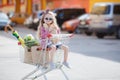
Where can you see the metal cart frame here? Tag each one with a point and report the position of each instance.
(45, 68)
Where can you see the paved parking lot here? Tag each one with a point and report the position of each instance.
(90, 58)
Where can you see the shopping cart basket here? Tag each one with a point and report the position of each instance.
(39, 57)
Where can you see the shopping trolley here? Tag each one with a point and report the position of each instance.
(38, 56)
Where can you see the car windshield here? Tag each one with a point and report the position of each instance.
(3, 16)
(101, 9)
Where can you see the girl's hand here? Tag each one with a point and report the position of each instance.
(49, 35)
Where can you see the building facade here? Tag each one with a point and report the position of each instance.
(20, 6)
(87, 4)
(9, 5)
(29, 6)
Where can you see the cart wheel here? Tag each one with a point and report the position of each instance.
(34, 78)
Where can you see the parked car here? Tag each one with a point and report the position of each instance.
(84, 24)
(28, 21)
(71, 25)
(33, 20)
(105, 19)
(19, 18)
(67, 14)
(77, 25)
(4, 20)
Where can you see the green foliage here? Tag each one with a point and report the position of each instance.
(30, 41)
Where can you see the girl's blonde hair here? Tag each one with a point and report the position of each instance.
(42, 21)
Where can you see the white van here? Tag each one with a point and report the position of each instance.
(105, 19)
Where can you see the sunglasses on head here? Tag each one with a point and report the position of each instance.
(48, 19)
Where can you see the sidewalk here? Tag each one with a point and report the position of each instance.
(82, 67)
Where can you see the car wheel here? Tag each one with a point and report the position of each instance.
(70, 31)
(88, 33)
(100, 35)
(36, 25)
(13, 24)
(118, 33)
(2, 28)
(77, 31)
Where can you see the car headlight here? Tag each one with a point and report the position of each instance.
(35, 20)
(82, 22)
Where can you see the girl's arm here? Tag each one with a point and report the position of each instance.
(38, 32)
(55, 32)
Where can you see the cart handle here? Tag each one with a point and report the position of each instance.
(64, 35)
(8, 26)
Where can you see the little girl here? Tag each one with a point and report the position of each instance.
(48, 25)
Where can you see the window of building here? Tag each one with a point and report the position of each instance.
(22, 1)
(35, 7)
(9, 2)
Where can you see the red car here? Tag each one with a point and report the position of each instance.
(70, 25)
(75, 25)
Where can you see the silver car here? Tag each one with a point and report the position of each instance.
(4, 20)
(105, 19)
(84, 24)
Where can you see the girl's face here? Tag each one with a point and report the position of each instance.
(48, 19)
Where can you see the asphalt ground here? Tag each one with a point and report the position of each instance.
(83, 67)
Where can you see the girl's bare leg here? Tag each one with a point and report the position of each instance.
(51, 55)
(47, 57)
(52, 52)
(65, 48)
